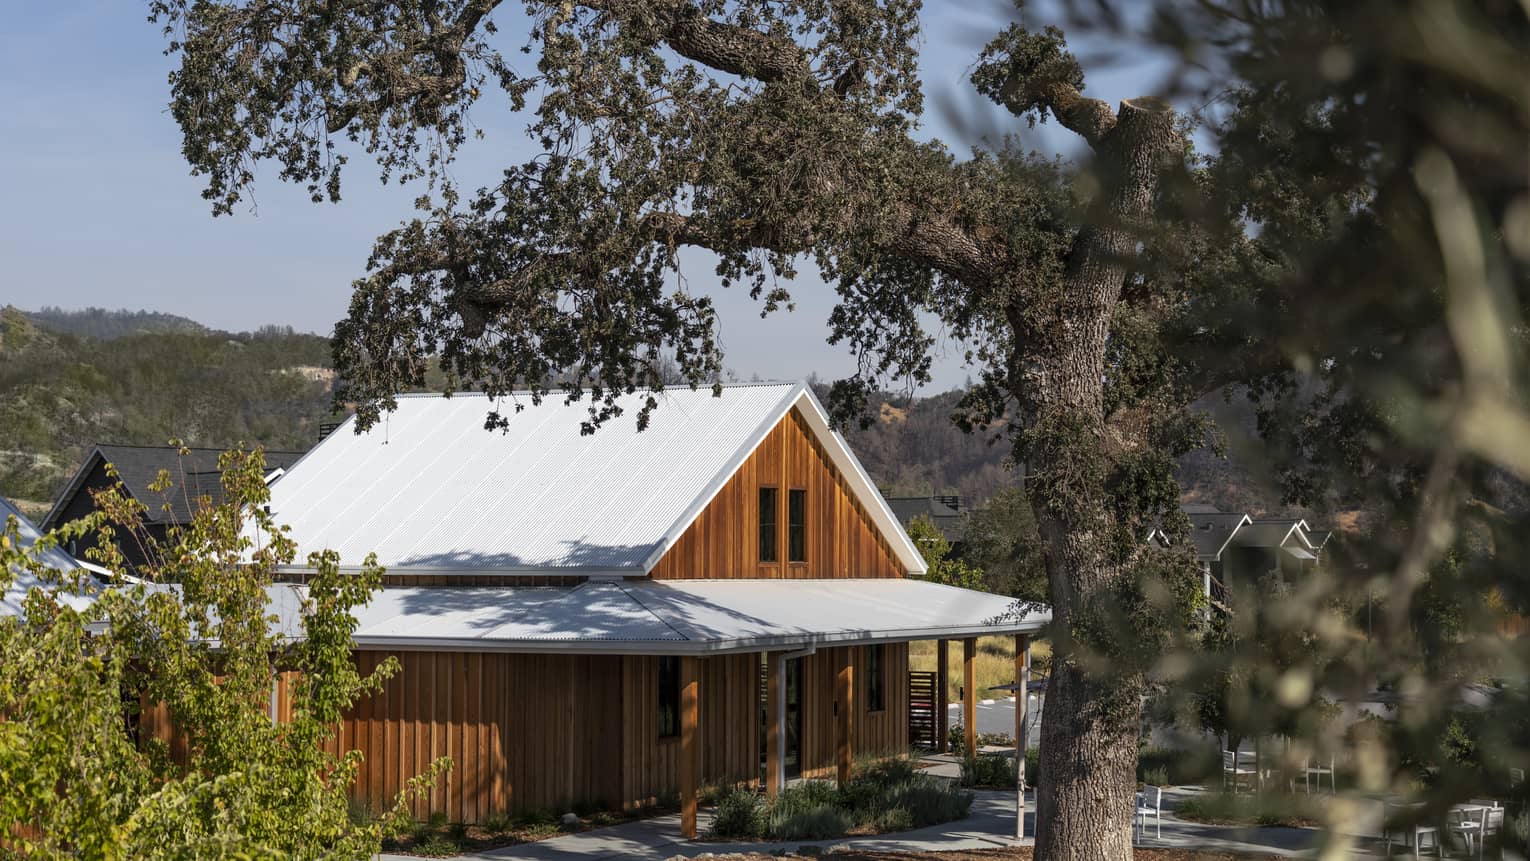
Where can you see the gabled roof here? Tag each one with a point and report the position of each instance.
(1272, 533)
(947, 519)
(58, 560)
(1210, 531)
(673, 616)
(429, 490)
(195, 475)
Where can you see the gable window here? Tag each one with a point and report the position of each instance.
(876, 689)
(768, 514)
(669, 696)
(796, 526)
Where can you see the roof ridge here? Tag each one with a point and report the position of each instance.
(754, 384)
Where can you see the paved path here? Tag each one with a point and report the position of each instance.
(998, 716)
(990, 824)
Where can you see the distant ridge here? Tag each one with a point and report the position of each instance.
(106, 325)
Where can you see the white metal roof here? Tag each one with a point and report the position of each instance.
(53, 558)
(429, 490)
(649, 616)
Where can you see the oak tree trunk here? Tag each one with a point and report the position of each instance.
(1091, 721)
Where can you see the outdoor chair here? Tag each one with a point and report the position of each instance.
(1413, 835)
(1149, 804)
(1309, 769)
(1516, 777)
(1470, 824)
(1235, 768)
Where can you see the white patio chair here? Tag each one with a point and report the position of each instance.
(1149, 804)
(1516, 777)
(1235, 768)
(1470, 823)
(1309, 768)
(1411, 835)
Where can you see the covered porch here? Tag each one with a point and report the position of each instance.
(630, 692)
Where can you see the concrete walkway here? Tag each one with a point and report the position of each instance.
(990, 824)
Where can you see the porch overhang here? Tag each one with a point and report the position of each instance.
(694, 617)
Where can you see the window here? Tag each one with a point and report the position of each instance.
(768, 524)
(875, 689)
(796, 526)
(669, 696)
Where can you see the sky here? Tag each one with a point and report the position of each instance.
(97, 207)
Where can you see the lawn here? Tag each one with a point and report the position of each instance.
(995, 663)
(1265, 808)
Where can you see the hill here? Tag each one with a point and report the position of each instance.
(61, 393)
(105, 324)
(914, 449)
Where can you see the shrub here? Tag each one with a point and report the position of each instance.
(896, 819)
(989, 770)
(438, 846)
(457, 831)
(496, 823)
(1160, 766)
(929, 801)
(1269, 809)
(820, 822)
(738, 815)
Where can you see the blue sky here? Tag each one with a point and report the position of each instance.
(98, 208)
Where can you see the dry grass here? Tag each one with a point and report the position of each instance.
(995, 663)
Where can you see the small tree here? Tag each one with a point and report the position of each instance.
(936, 550)
(197, 637)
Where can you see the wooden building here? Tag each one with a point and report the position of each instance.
(619, 618)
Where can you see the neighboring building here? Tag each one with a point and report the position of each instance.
(195, 477)
(944, 510)
(54, 558)
(1233, 546)
(623, 617)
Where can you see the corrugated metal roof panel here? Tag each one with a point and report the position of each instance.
(682, 616)
(58, 560)
(429, 488)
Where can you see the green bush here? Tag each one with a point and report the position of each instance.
(896, 819)
(496, 823)
(438, 846)
(820, 822)
(990, 770)
(738, 815)
(1267, 808)
(1159, 766)
(928, 801)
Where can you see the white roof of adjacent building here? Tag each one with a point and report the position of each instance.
(674, 616)
(52, 558)
(429, 490)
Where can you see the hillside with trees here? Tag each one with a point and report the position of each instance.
(61, 393)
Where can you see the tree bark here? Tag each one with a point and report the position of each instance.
(1090, 724)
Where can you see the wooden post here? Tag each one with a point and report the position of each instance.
(690, 744)
(969, 697)
(942, 679)
(844, 713)
(775, 724)
(1022, 725)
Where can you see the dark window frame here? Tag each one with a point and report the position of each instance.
(796, 525)
(669, 696)
(769, 524)
(876, 678)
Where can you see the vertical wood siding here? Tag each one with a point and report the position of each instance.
(528, 732)
(723, 542)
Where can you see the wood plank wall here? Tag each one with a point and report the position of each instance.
(881, 732)
(529, 732)
(723, 542)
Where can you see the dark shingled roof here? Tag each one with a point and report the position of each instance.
(193, 476)
(1210, 529)
(948, 520)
